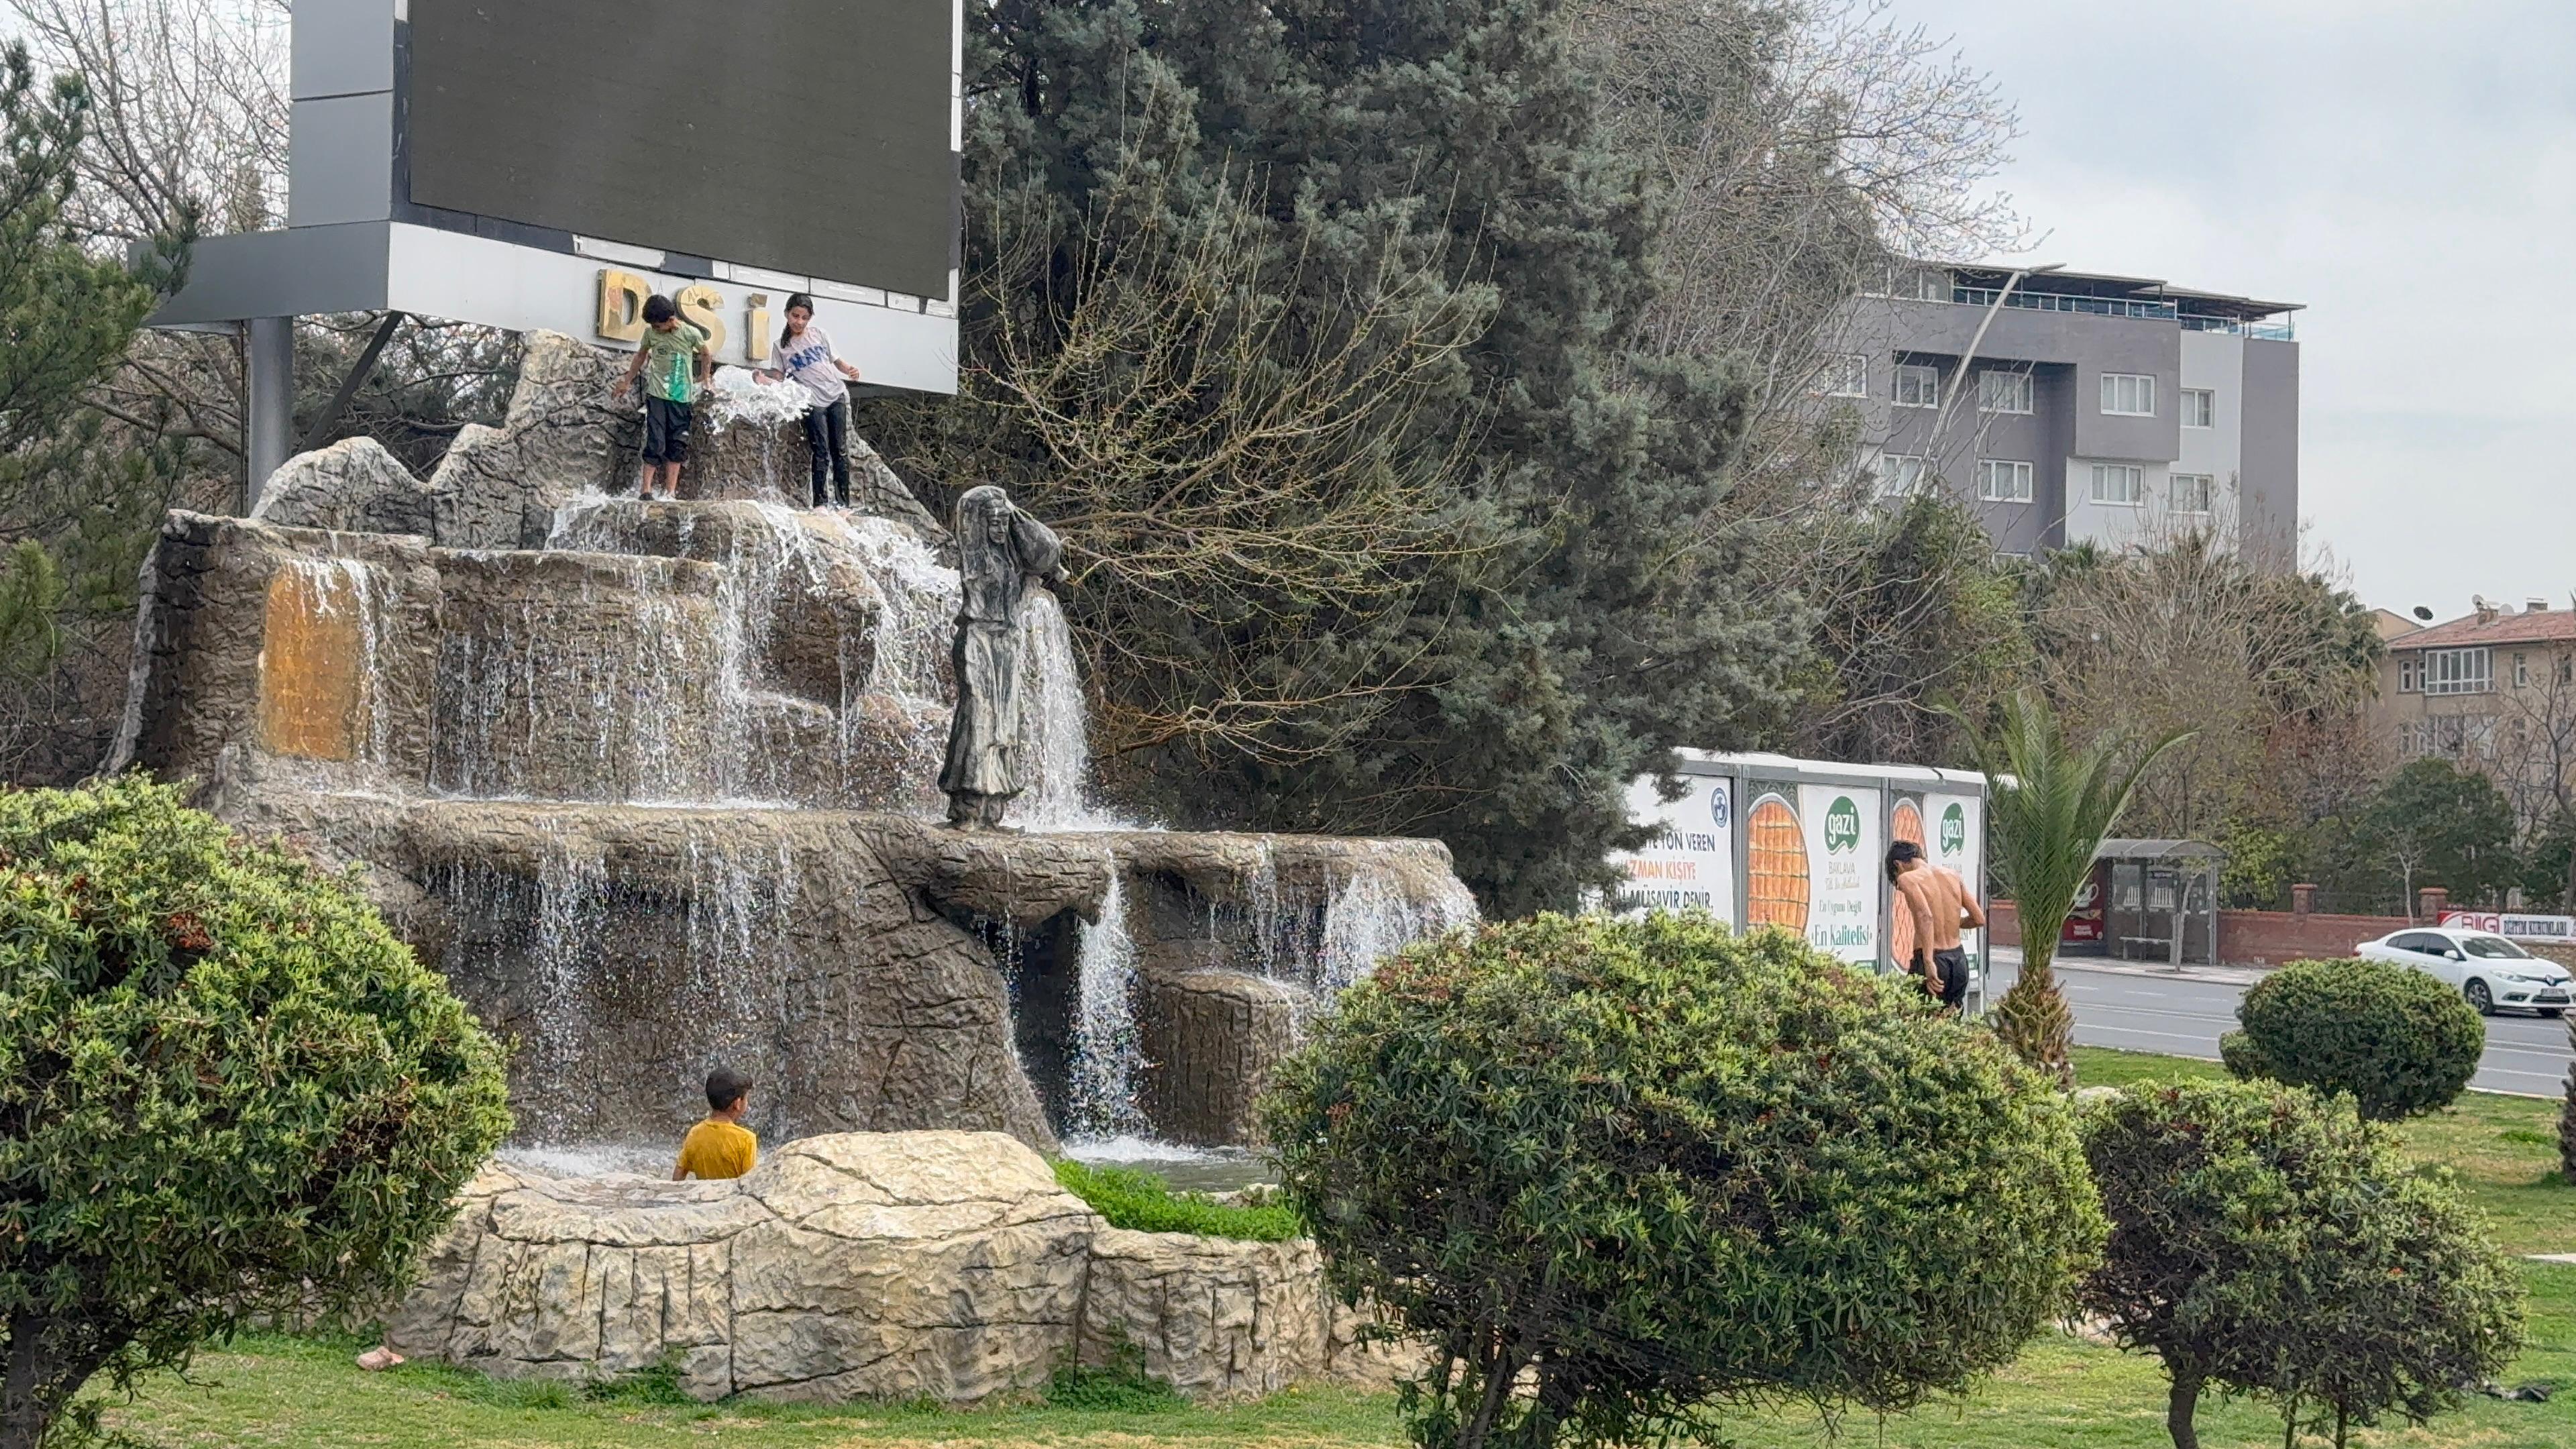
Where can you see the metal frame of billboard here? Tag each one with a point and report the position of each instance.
(354, 243)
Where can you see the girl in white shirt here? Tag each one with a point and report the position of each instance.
(805, 354)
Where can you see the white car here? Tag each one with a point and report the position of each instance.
(2489, 970)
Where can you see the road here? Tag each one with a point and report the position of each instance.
(2156, 1011)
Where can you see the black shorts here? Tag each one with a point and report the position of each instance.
(666, 430)
(1954, 976)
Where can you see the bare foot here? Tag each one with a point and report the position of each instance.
(378, 1359)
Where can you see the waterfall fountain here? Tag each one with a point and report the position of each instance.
(655, 785)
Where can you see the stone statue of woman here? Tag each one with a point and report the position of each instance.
(999, 550)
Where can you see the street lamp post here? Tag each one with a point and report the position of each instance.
(1959, 380)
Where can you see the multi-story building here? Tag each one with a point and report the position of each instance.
(2069, 407)
(2494, 691)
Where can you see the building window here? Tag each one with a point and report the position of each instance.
(1918, 386)
(1999, 481)
(2462, 737)
(2459, 671)
(2192, 492)
(1846, 374)
(2003, 392)
(1899, 474)
(2199, 408)
(2452, 737)
(2521, 671)
(2118, 483)
(2128, 395)
(1917, 284)
(2410, 673)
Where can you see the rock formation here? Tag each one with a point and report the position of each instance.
(945, 1265)
(653, 784)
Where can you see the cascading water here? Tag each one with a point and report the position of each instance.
(327, 618)
(765, 413)
(558, 920)
(1372, 916)
(911, 670)
(741, 900)
(589, 682)
(1107, 1056)
(1055, 745)
(571, 916)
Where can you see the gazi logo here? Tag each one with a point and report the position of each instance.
(1842, 825)
(1954, 833)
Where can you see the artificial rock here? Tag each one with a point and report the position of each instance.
(947, 1265)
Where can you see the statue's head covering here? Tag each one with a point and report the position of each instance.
(984, 550)
(996, 541)
(976, 507)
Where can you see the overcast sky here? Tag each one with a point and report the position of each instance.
(2407, 170)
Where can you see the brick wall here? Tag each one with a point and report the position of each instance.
(2253, 938)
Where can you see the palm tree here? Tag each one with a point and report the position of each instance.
(2050, 805)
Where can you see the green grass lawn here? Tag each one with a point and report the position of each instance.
(2062, 1394)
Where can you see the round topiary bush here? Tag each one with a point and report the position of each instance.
(225, 1090)
(2268, 1241)
(2398, 1041)
(1661, 1169)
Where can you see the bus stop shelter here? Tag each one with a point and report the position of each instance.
(2154, 900)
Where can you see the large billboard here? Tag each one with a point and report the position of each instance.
(813, 137)
(1800, 845)
(1957, 827)
(1690, 863)
(1845, 864)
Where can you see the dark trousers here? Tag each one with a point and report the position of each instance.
(1954, 975)
(828, 430)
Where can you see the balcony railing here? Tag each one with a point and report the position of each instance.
(2063, 302)
(2274, 331)
(2280, 331)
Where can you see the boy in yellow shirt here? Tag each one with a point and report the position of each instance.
(720, 1146)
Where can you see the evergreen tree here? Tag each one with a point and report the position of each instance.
(2432, 823)
(70, 536)
(1500, 693)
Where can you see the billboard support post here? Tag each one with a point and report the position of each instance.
(271, 432)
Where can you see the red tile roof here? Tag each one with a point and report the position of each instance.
(2503, 628)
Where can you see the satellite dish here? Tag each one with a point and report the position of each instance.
(2423, 613)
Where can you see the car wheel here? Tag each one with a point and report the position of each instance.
(2480, 997)
(2553, 1012)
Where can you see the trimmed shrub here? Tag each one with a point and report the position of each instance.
(2268, 1241)
(1662, 1170)
(2397, 1041)
(1145, 1203)
(226, 1091)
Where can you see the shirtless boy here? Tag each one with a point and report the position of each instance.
(1940, 906)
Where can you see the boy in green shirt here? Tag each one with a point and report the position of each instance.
(673, 362)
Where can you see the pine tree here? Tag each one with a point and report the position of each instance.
(71, 514)
(65, 318)
(1590, 620)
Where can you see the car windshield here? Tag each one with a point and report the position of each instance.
(2493, 948)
